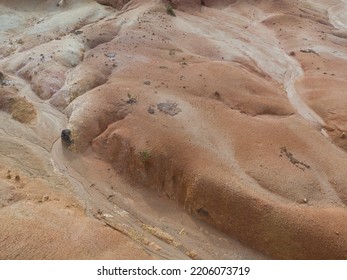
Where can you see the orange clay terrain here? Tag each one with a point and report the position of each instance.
(173, 129)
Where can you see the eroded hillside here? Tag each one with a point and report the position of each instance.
(217, 133)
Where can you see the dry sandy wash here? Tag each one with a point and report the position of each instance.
(191, 129)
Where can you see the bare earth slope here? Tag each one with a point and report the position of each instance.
(218, 133)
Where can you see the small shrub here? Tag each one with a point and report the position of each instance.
(131, 99)
(217, 94)
(145, 156)
(170, 11)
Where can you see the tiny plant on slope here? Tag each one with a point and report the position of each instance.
(145, 156)
(131, 99)
(170, 11)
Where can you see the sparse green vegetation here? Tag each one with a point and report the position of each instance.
(145, 156)
(170, 11)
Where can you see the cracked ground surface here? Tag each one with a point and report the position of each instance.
(215, 134)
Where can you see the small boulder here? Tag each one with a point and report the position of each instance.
(66, 137)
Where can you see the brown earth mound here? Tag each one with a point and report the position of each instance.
(234, 110)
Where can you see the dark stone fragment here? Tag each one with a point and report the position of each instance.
(66, 137)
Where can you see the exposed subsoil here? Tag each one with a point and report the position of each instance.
(217, 133)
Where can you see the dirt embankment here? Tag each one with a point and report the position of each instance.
(232, 110)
